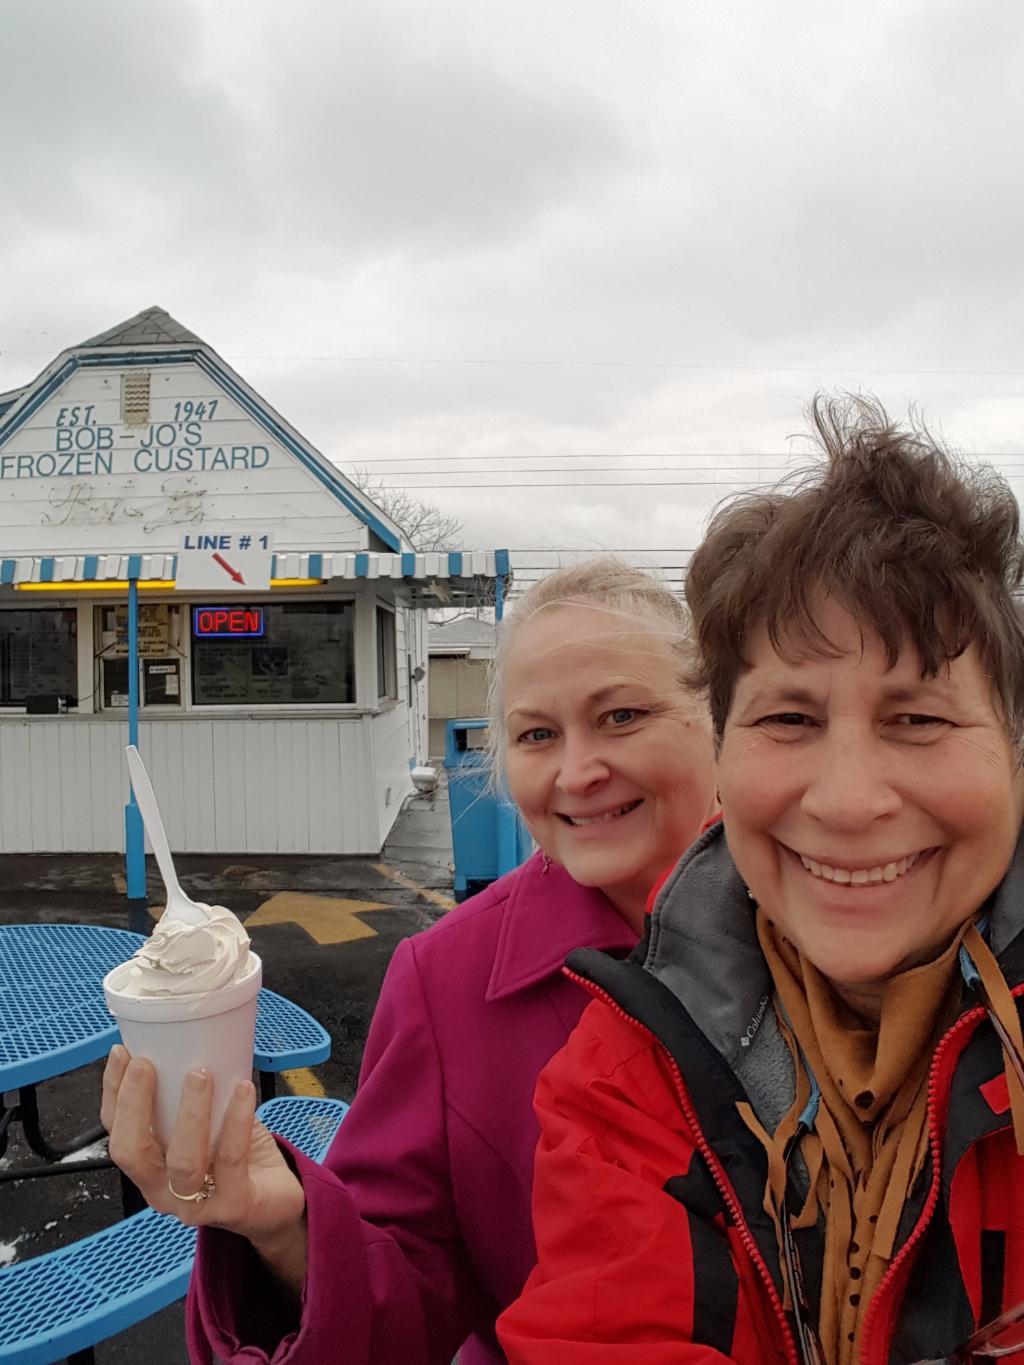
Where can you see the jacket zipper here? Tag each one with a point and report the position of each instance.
(968, 1020)
(704, 1147)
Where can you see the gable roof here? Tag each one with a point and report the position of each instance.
(152, 327)
(153, 338)
(469, 636)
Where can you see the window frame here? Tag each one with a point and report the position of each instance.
(15, 708)
(276, 708)
(386, 657)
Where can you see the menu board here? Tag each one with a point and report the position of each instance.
(154, 628)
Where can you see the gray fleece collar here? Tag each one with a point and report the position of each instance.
(703, 946)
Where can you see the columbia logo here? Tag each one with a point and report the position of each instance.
(747, 1036)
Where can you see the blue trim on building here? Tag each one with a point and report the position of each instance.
(45, 393)
(7, 569)
(134, 567)
(408, 564)
(231, 386)
(316, 566)
(502, 563)
(91, 567)
(455, 563)
(362, 565)
(46, 570)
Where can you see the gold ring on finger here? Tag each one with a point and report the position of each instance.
(200, 1195)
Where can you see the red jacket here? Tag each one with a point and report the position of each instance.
(654, 1247)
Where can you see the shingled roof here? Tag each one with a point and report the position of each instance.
(151, 327)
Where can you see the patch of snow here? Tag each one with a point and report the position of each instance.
(9, 1252)
(91, 1153)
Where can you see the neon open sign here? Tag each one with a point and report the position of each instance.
(228, 623)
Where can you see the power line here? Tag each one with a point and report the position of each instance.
(654, 483)
(554, 361)
(639, 455)
(752, 470)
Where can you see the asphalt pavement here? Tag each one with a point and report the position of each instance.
(325, 929)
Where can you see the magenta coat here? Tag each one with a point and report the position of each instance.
(419, 1220)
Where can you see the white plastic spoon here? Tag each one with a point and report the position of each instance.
(179, 906)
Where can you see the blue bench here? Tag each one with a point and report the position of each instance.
(60, 1305)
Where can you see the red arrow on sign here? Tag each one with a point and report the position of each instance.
(228, 569)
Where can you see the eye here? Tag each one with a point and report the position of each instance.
(787, 720)
(913, 720)
(623, 715)
(537, 734)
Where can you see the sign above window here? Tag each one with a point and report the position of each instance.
(225, 561)
(228, 623)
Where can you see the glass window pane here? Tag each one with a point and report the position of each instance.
(387, 663)
(115, 683)
(38, 655)
(305, 656)
(161, 682)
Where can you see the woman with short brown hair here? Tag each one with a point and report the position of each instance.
(790, 1127)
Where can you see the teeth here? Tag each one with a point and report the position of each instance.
(603, 819)
(860, 876)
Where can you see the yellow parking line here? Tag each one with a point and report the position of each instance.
(301, 1081)
(435, 897)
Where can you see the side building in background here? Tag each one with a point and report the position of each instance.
(460, 660)
(282, 627)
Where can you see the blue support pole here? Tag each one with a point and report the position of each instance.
(134, 832)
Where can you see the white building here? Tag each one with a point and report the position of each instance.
(281, 717)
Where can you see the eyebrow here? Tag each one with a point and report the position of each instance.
(784, 694)
(602, 694)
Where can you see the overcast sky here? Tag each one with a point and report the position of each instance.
(506, 240)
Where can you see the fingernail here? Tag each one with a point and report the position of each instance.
(242, 1090)
(197, 1080)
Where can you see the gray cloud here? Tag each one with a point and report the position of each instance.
(659, 226)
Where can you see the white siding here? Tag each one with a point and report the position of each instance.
(139, 503)
(389, 746)
(226, 785)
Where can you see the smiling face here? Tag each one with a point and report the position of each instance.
(607, 756)
(869, 811)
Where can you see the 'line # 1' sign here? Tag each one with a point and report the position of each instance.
(224, 561)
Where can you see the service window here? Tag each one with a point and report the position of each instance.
(387, 659)
(39, 657)
(161, 682)
(161, 667)
(274, 654)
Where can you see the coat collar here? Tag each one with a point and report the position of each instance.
(545, 916)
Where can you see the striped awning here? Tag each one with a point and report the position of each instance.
(446, 577)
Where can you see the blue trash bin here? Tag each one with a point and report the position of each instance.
(488, 834)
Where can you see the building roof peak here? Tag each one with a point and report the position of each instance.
(152, 327)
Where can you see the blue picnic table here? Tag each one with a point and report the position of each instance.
(53, 1019)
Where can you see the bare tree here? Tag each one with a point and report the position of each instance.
(427, 526)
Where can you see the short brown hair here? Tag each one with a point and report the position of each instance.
(914, 542)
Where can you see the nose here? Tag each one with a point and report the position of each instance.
(583, 766)
(850, 786)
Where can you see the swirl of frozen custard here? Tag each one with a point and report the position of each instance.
(190, 959)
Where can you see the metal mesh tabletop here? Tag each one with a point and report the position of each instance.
(287, 1036)
(52, 1015)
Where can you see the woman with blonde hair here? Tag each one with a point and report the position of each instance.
(415, 1234)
